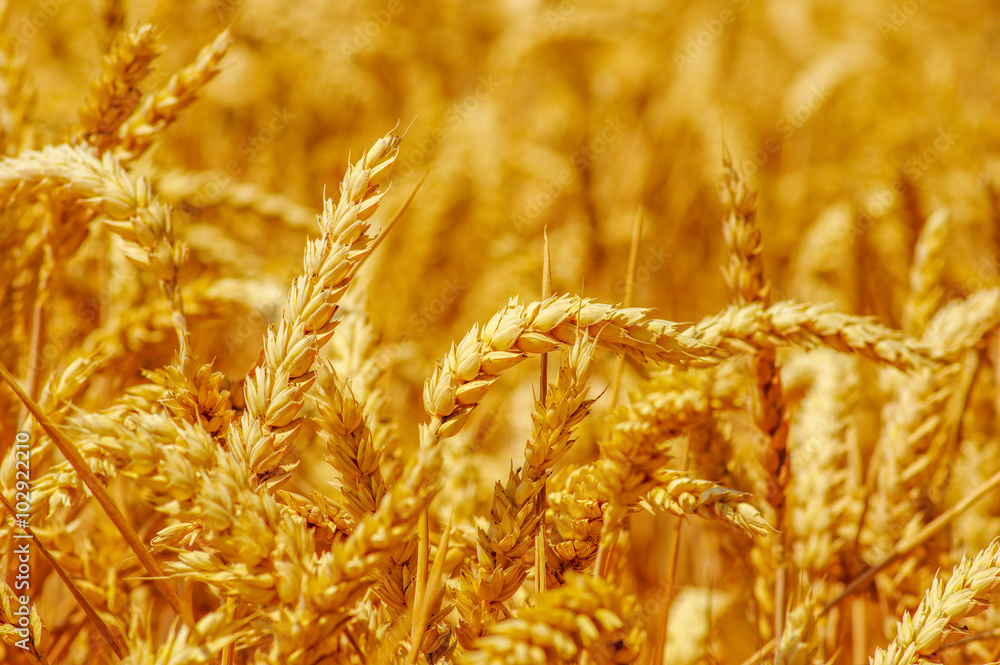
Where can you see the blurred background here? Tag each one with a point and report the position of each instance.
(855, 120)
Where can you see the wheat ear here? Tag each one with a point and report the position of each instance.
(926, 274)
(466, 373)
(16, 96)
(159, 110)
(634, 456)
(744, 274)
(196, 395)
(116, 92)
(36, 646)
(586, 616)
(682, 495)
(968, 591)
(103, 185)
(755, 327)
(501, 566)
(824, 496)
(916, 427)
(275, 391)
(344, 428)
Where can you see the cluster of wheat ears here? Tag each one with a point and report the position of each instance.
(572, 480)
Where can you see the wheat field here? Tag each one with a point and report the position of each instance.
(509, 331)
